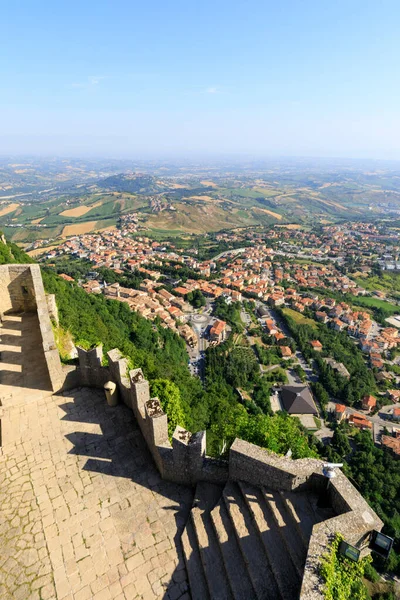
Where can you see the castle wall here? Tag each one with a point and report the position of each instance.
(5, 299)
(52, 307)
(185, 462)
(17, 289)
(21, 290)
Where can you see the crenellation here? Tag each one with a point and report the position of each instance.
(180, 447)
(91, 371)
(140, 392)
(158, 422)
(119, 371)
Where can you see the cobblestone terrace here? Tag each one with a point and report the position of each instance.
(83, 512)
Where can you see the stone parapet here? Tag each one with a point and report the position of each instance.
(259, 466)
(91, 371)
(21, 290)
(185, 462)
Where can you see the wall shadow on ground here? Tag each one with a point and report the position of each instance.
(120, 451)
(23, 366)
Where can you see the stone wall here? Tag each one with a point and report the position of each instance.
(52, 308)
(5, 299)
(21, 290)
(17, 289)
(185, 461)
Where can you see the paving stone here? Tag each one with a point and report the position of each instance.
(72, 528)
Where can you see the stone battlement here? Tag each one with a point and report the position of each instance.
(185, 462)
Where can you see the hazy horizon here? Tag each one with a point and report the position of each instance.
(126, 80)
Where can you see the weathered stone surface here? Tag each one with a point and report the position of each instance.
(78, 494)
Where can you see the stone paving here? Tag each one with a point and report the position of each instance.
(84, 513)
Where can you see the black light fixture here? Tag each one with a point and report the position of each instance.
(381, 544)
(349, 551)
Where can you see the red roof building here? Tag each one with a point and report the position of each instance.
(368, 403)
(316, 345)
(340, 411)
(360, 422)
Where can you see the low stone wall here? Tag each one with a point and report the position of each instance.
(258, 466)
(185, 461)
(49, 346)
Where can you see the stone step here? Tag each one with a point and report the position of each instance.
(288, 530)
(211, 557)
(194, 567)
(235, 567)
(252, 549)
(207, 495)
(283, 569)
(302, 514)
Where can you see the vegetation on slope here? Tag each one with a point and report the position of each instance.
(231, 368)
(11, 253)
(342, 576)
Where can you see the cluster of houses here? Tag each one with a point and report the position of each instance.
(209, 289)
(373, 339)
(390, 439)
(150, 301)
(117, 249)
(274, 331)
(368, 404)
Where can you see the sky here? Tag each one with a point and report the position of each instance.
(129, 79)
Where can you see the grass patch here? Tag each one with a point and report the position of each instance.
(387, 282)
(317, 422)
(298, 318)
(369, 302)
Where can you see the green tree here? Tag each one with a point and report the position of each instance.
(170, 398)
(196, 299)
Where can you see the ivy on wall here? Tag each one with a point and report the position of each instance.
(342, 576)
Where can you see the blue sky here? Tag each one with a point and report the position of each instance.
(171, 78)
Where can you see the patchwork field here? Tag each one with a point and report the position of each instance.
(201, 217)
(200, 199)
(209, 183)
(269, 212)
(79, 228)
(8, 209)
(79, 211)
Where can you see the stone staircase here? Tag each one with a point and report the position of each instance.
(243, 542)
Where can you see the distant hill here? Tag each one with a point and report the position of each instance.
(133, 184)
